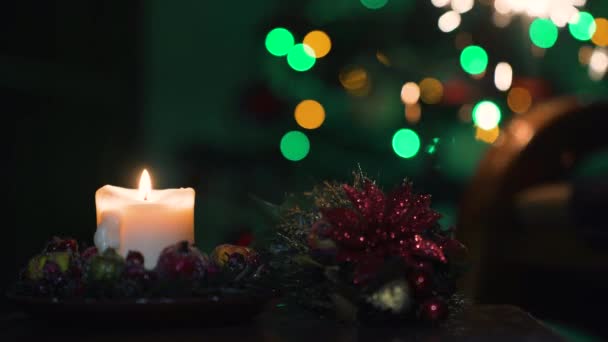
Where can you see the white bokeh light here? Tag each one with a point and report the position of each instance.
(440, 3)
(561, 12)
(449, 21)
(503, 76)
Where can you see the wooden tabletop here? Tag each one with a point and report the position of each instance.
(278, 324)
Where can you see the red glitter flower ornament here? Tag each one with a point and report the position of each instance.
(378, 227)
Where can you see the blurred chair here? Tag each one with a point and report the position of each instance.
(538, 234)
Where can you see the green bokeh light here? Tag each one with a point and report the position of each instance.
(374, 4)
(474, 59)
(295, 146)
(584, 28)
(543, 33)
(406, 143)
(486, 115)
(301, 57)
(279, 41)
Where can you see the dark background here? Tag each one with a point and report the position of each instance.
(92, 92)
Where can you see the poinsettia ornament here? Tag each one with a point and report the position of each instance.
(378, 227)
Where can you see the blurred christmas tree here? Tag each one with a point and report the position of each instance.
(401, 87)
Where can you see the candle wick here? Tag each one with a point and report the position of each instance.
(146, 196)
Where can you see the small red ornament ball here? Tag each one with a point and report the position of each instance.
(433, 310)
(421, 282)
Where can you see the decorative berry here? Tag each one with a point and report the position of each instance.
(181, 261)
(106, 267)
(63, 259)
(422, 283)
(135, 258)
(134, 271)
(35, 266)
(236, 263)
(424, 266)
(89, 253)
(222, 253)
(58, 244)
(433, 310)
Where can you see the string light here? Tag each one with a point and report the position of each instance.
(413, 113)
(474, 59)
(486, 115)
(487, 136)
(519, 100)
(462, 6)
(410, 93)
(374, 4)
(301, 57)
(440, 3)
(560, 12)
(584, 54)
(503, 76)
(543, 33)
(600, 37)
(582, 27)
(449, 21)
(382, 58)
(319, 41)
(295, 146)
(355, 80)
(406, 143)
(598, 64)
(279, 41)
(431, 90)
(309, 114)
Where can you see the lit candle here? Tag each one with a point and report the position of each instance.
(143, 219)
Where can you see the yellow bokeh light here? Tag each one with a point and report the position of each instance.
(319, 41)
(413, 112)
(431, 90)
(356, 81)
(600, 37)
(309, 114)
(584, 54)
(410, 93)
(382, 58)
(519, 100)
(487, 136)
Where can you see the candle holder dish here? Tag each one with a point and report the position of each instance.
(229, 286)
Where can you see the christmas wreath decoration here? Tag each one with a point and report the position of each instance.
(364, 254)
(65, 271)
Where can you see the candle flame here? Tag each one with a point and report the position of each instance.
(145, 185)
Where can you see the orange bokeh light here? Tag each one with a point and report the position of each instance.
(319, 41)
(309, 114)
(519, 100)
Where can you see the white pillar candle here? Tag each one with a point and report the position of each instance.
(143, 219)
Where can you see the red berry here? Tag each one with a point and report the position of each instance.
(135, 258)
(433, 310)
(181, 261)
(62, 245)
(69, 245)
(89, 253)
(51, 268)
(422, 283)
(135, 272)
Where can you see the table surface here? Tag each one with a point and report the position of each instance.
(476, 323)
